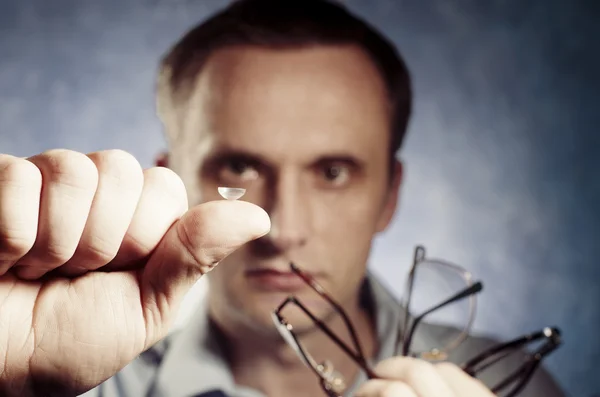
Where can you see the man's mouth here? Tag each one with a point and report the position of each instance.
(275, 280)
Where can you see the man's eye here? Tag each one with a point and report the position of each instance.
(336, 174)
(239, 167)
(237, 170)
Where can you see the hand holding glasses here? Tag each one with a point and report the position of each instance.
(462, 301)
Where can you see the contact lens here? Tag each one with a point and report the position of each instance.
(231, 193)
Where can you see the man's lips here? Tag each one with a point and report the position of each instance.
(275, 280)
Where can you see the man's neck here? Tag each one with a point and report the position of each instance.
(269, 365)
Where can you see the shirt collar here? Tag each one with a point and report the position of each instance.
(195, 361)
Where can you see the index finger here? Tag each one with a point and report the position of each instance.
(20, 189)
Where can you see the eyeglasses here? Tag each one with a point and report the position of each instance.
(333, 383)
(447, 294)
(549, 339)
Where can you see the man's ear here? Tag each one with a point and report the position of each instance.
(162, 160)
(391, 199)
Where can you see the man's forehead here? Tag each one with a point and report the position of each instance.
(309, 100)
(331, 75)
(232, 65)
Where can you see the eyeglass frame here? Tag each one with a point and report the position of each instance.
(406, 333)
(552, 335)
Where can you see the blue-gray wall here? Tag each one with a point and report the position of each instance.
(501, 159)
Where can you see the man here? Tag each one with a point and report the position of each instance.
(301, 104)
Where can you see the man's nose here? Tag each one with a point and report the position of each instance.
(290, 215)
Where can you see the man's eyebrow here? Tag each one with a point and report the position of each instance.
(222, 155)
(349, 160)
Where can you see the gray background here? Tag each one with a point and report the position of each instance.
(501, 156)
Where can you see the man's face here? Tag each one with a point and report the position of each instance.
(306, 132)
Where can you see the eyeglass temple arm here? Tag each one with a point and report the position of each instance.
(526, 371)
(551, 333)
(351, 329)
(475, 288)
(321, 291)
(525, 376)
(305, 356)
(418, 256)
(358, 358)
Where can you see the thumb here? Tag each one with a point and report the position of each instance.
(195, 244)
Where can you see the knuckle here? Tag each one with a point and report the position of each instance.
(99, 251)
(54, 253)
(120, 166)
(14, 169)
(447, 367)
(118, 158)
(69, 168)
(202, 253)
(384, 364)
(395, 389)
(165, 180)
(20, 183)
(15, 245)
(419, 372)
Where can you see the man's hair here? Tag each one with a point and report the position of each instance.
(279, 24)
